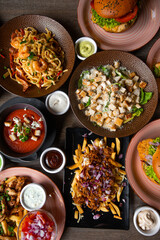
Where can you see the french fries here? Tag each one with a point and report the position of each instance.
(11, 211)
(87, 159)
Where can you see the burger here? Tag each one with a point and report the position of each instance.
(114, 15)
(149, 153)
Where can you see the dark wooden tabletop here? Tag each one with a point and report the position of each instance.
(65, 12)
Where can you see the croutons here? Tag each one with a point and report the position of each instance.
(26, 120)
(109, 98)
(116, 64)
(34, 138)
(8, 124)
(12, 137)
(142, 84)
(118, 122)
(37, 133)
(81, 106)
(132, 74)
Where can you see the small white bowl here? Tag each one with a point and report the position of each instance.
(2, 162)
(41, 195)
(84, 39)
(155, 229)
(57, 95)
(44, 165)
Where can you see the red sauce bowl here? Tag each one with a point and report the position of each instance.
(17, 149)
(52, 160)
(38, 224)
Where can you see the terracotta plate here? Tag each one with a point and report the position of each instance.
(154, 54)
(153, 58)
(40, 23)
(148, 191)
(138, 35)
(132, 63)
(54, 204)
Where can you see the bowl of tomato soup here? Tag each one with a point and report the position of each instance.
(39, 225)
(23, 130)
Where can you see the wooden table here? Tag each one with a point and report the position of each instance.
(65, 12)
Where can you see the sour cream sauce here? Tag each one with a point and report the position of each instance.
(146, 219)
(58, 102)
(34, 196)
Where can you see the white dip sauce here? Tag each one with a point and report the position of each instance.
(33, 196)
(58, 102)
(146, 219)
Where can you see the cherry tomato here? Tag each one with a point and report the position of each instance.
(92, 4)
(128, 16)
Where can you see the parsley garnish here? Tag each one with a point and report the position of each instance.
(88, 103)
(23, 138)
(31, 56)
(23, 42)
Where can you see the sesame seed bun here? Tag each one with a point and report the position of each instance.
(114, 8)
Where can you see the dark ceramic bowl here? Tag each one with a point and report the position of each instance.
(4, 148)
(130, 62)
(40, 23)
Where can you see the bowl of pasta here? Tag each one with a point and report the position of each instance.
(37, 55)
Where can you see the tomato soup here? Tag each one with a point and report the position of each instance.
(23, 130)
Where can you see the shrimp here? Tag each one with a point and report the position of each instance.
(16, 42)
(21, 78)
(23, 52)
(40, 65)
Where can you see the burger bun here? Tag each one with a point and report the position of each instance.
(114, 8)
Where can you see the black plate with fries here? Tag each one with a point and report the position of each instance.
(75, 136)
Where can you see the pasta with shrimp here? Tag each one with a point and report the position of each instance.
(35, 58)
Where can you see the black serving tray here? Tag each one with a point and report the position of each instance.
(74, 136)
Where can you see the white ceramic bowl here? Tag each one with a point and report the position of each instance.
(155, 229)
(84, 39)
(43, 164)
(2, 162)
(42, 195)
(60, 93)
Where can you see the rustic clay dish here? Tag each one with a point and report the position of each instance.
(147, 190)
(143, 30)
(153, 58)
(132, 63)
(3, 145)
(54, 202)
(40, 23)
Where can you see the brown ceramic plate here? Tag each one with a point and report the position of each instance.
(40, 23)
(54, 202)
(130, 62)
